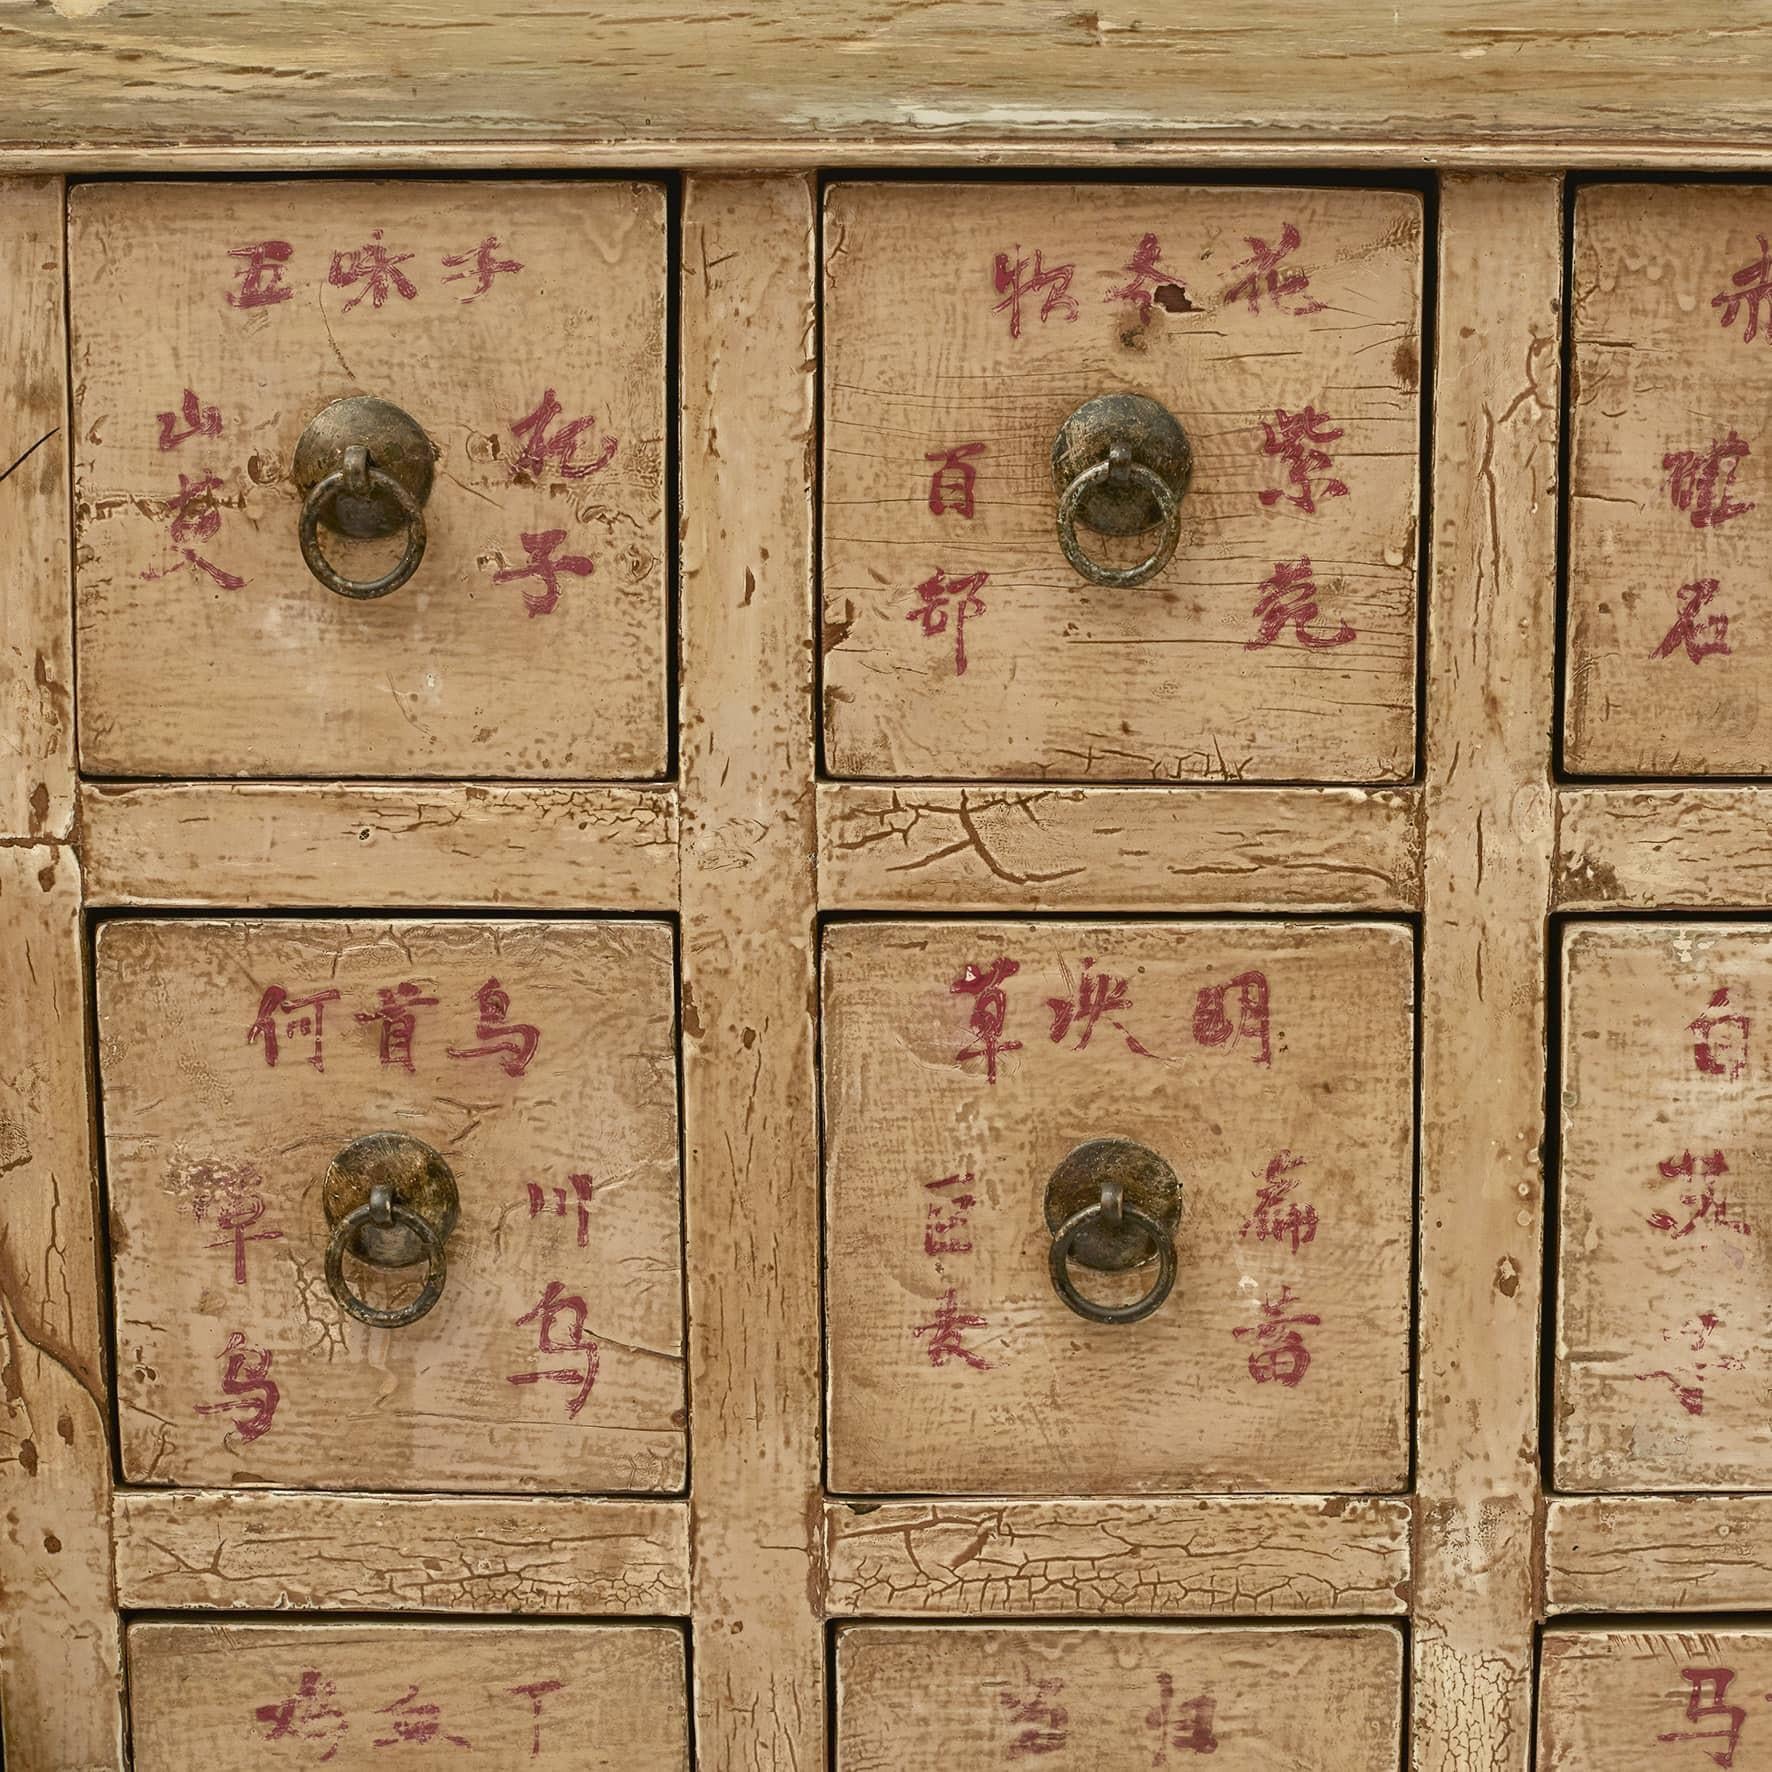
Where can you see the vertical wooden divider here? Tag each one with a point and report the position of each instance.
(1490, 707)
(749, 908)
(61, 1703)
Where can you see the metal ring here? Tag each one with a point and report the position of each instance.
(380, 1208)
(1111, 1204)
(1168, 502)
(319, 502)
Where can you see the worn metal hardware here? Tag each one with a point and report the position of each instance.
(1121, 463)
(391, 1202)
(1113, 1205)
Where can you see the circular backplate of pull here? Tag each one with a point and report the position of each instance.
(395, 444)
(1148, 1184)
(416, 1177)
(1152, 439)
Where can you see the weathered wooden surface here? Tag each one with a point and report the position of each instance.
(1218, 1556)
(1657, 1553)
(552, 1697)
(1663, 1355)
(238, 845)
(1491, 644)
(1670, 513)
(1267, 309)
(1118, 849)
(749, 970)
(1120, 1696)
(566, 1261)
(542, 392)
(1671, 848)
(1261, 1060)
(271, 1551)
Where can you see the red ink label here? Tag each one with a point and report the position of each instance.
(308, 1714)
(1700, 640)
(377, 269)
(545, 565)
(1295, 439)
(1280, 1356)
(246, 1378)
(1297, 1224)
(951, 485)
(949, 1217)
(1752, 286)
(1093, 997)
(1267, 278)
(535, 1693)
(415, 1723)
(990, 1011)
(512, 1043)
(1698, 481)
(1041, 1725)
(394, 1015)
(1703, 1205)
(1706, 1695)
(260, 274)
(556, 1302)
(483, 265)
(198, 420)
(1182, 1726)
(1213, 1025)
(1719, 1041)
(946, 1334)
(581, 1194)
(1142, 271)
(1014, 280)
(1289, 600)
(942, 596)
(303, 1018)
(560, 451)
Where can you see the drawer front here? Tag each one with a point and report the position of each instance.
(1667, 670)
(1663, 1357)
(555, 1698)
(522, 327)
(921, 1697)
(536, 1061)
(1280, 328)
(1268, 1065)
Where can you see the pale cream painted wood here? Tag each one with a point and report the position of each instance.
(1657, 1553)
(1663, 848)
(1263, 1061)
(566, 1261)
(1663, 1359)
(551, 1697)
(522, 325)
(1280, 642)
(1326, 1697)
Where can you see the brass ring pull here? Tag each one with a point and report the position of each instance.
(1113, 1205)
(391, 1202)
(1121, 463)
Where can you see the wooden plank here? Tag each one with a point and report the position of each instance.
(933, 848)
(1657, 1553)
(749, 969)
(1491, 632)
(1211, 1557)
(220, 845)
(1046, 78)
(269, 1550)
(1664, 848)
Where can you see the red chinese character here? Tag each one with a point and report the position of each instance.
(1289, 600)
(1690, 1392)
(990, 1011)
(539, 449)
(246, 1374)
(934, 609)
(238, 1219)
(1685, 631)
(1213, 1027)
(194, 514)
(1299, 1224)
(535, 1694)
(1043, 1725)
(1265, 275)
(945, 1334)
(1293, 438)
(1141, 269)
(950, 486)
(540, 545)
(1699, 481)
(261, 274)
(1707, 1691)
(373, 265)
(307, 1715)
(1719, 1042)
(515, 1041)
(1186, 1727)
(581, 1191)
(415, 1724)
(305, 1020)
(1091, 998)
(1753, 284)
(1013, 283)
(398, 1023)
(199, 421)
(1705, 1206)
(948, 1218)
(486, 265)
(554, 1302)
(1280, 1355)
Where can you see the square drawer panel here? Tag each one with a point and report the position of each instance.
(522, 327)
(555, 1698)
(1664, 1353)
(261, 1079)
(986, 1082)
(1671, 507)
(920, 1696)
(1280, 328)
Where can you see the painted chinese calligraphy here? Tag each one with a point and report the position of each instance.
(942, 596)
(1013, 281)
(1700, 641)
(554, 1303)
(1288, 599)
(1267, 278)
(1698, 481)
(1280, 1355)
(545, 565)
(990, 1010)
(246, 1376)
(1752, 288)
(1295, 439)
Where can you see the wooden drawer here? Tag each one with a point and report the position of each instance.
(1663, 1357)
(918, 1697)
(1281, 328)
(238, 1059)
(1269, 1065)
(1667, 665)
(556, 1698)
(522, 327)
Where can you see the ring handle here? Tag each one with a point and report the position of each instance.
(382, 1210)
(391, 1202)
(1119, 464)
(1113, 1212)
(360, 478)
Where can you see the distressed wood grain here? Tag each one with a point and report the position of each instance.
(1663, 848)
(1212, 1557)
(1031, 672)
(1491, 662)
(295, 845)
(1118, 849)
(1657, 1553)
(273, 1551)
